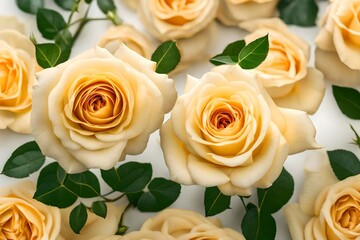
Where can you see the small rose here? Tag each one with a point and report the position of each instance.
(284, 73)
(94, 109)
(95, 226)
(22, 217)
(338, 43)
(232, 12)
(226, 131)
(188, 225)
(17, 76)
(327, 208)
(128, 35)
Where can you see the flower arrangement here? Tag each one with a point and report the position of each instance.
(110, 140)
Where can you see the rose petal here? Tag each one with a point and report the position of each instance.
(296, 220)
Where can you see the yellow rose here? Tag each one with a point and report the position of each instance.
(284, 73)
(338, 43)
(22, 217)
(17, 76)
(232, 12)
(94, 109)
(226, 131)
(128, 35)
(139, 235)
(132, 4)
(328, 208)
(95, 226)
(188, 225)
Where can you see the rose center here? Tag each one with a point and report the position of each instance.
(173, 11)
(348, 212)
(97, 103)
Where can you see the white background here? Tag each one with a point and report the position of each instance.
(333, 131)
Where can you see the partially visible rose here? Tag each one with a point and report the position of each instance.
(226, 131)
(338, 43)
(232, 12)
(187, 22)
(132, 4)
(188, 225)
(91, 111)
(17, 75)
(327, 208)
(128, 35)
(139, 235)
(22, 217)
(284, 73)
(95, 226)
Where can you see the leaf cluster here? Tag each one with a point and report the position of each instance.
(53, 26)
(258, 222)
(57, 188)
(247, 56)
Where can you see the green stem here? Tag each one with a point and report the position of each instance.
(112, 200)
(73, 10)
(107, 194)
(82, 23)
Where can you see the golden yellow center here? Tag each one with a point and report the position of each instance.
(347, 212)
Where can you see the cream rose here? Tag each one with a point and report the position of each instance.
(94, 109)
(128, 35)
(284, 73)
(22, 217)
(232, 12)
(226, 131)
(95, 226)
(327, 208)
(188, 225)
(17, 76)
(338, 43)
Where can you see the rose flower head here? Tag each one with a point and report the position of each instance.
(17, 75)
(232, 12)
(22, 217)
(226, 131)
(284, 73)
(328, 208)
(92, 110)
(338, 43)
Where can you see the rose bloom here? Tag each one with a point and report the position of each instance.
(327, 208)
(232, 12)
(17, 76)
(188, 225)
(284, 73)
(132, 4)
(190, 23)
(22, 217)
(91, 111)
(95, 226)
(226, 131)
(338, 43)
(128, 35)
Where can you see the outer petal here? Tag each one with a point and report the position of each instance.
(175, 154)
(11, 22)
(296, 220)
(299, 131)
(307, 93)
(21, 123)
(334, 70)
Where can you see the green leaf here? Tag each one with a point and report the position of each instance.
(275, 197)
(24, 160)
(85, 184)
(256, 226)
(167, 57)
(78, 217)
(49, 22)
(99, 208)
(298, 12)
(344, 163)
(30, 6)
(106, 6)
(47, 54)
(229, 55)
(51, 189)
(161, 194)
(134, 197)
(66, 4)
(222, 59)
(65, 41)
(130, 177)
(253, 54)
(348, 100)
(215, 202)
